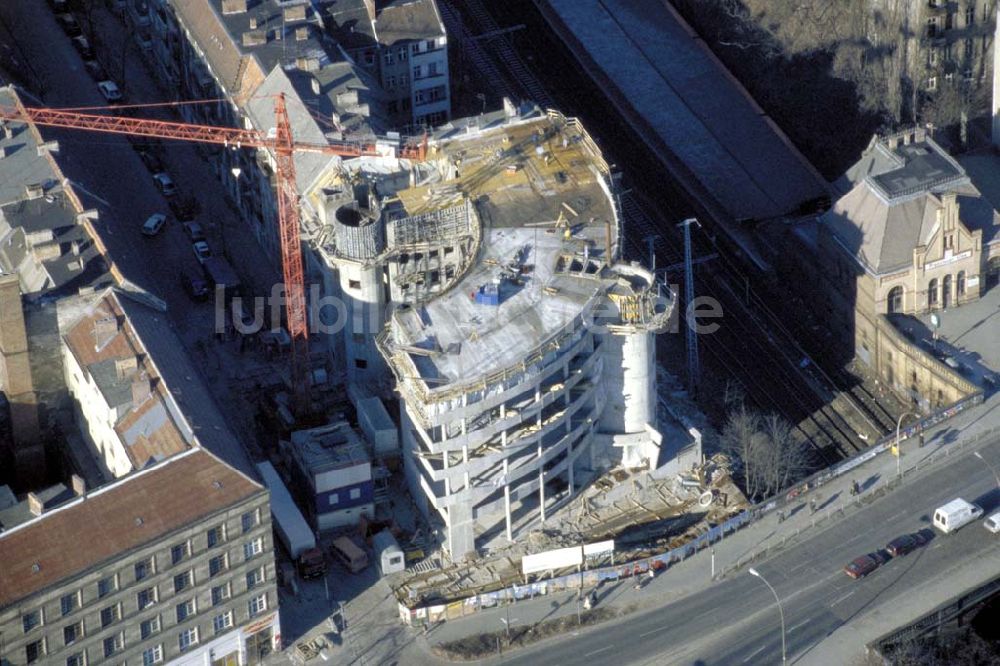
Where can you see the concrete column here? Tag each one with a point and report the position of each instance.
(506, 471)
(541, 472)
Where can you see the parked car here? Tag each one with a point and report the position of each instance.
(69, 24)
(194, 231)
(907, 543)
(184, 209)
(195, 287)
(165, 184)
(154, 224)
(861, 566)
(201, 251)
(151, 159)
(110, 91)
(992, 523)
(95, 70)
(82, 46)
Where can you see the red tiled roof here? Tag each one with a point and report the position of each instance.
(104, 524)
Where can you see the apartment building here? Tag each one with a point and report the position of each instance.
(122, 367)
(178, 568)
(403, 43)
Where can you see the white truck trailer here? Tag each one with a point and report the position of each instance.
(291, 528)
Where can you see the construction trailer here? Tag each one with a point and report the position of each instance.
(378, 428)
(388, 554)
(333, 471)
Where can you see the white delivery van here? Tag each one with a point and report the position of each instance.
(955, 514)
(993, 523)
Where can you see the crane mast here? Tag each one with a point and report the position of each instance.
(284, 146)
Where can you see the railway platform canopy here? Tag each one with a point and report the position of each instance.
(713, 137)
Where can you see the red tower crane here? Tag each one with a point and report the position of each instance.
(284, 145)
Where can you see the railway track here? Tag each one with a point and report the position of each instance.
(746, 348)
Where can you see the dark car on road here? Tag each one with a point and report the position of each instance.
(197, 288)
(861, 566)
(902, 545)
(69, 24)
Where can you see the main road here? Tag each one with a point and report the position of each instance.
(736, 621)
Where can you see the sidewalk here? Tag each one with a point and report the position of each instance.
(757, 541)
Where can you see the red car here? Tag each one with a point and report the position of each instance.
(902, 545)
(861, 566)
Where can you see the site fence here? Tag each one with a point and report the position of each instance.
(581, 580)
(584, 580)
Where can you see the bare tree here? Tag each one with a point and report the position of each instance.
(764, 450)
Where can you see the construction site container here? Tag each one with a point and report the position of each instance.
(388, 554)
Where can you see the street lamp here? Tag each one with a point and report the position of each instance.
(896, 450)
(507, 622)
(993, 469)
(781, 613)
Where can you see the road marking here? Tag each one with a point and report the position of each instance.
(655, 631)
(898, 515)
(758, 651)
(603, 649)
(804, 622)
(839, 599)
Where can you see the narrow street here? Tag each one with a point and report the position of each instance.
(109, 176)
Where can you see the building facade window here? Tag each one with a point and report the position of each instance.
(33, 652)
(187, 638)
(77, 659)
(182, 581)
(179, 552)
(145, 598)
(149, 627)
(113, 644)
(110, 615)
(145, 568)
(946, 291)
(153, 655)
(69, 603)
(253, 548)
(255, 578)
(217, 565)
(932, 292)
(249, 520)
(960, 283)
(216, 535)
(106, 586)
(185, 609)
(220, 593)
(31, 619)
(72, 633)
(257, 605)
(895, 300)
(222, 622)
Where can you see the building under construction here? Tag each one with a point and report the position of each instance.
(521, 347)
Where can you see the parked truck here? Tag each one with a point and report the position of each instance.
(220, 273)
(291, 528)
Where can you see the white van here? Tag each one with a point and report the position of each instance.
(993, 523)
(955, 514)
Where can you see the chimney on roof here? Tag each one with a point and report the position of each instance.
(79, 485)
(315, 85)
(48, 147)
(253, 22)
(302, 33)
(8, 131)
(254, 38)
(34, 190)
(307, 64)
(126, 367)
(35, 505)
(141, 389)
(234, 6)
(294, 13)
(893, 142)
(3, 152)
(907, 137)
(919, 135)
